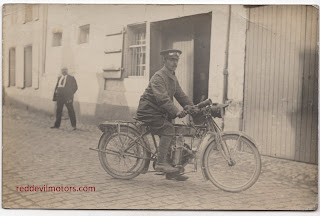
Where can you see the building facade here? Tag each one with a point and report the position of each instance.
(23, 54)
(113, 50)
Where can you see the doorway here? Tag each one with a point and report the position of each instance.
(191, 35)
(281, 98)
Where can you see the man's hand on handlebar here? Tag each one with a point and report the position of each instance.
(191, 109)
(182, 114)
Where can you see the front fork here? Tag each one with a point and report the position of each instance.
(221, 144)
(223, 148)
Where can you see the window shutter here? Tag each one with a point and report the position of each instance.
(113, 55)
(22, 13)
(28, 13)
(35, 12)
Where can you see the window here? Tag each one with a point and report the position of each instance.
(84, 34)
(14, 15)
(28, 66)
(14, 18)
(56, 39)
(28, 13)
(12, 67)
(137, 50)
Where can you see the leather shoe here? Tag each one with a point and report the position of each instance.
(54, 127)
(176, 176)
(165, 167)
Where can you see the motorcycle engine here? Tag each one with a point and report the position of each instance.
(180, 156)
(184, 156)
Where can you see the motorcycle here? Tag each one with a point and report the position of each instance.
(229, 160)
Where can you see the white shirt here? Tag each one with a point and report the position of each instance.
(64, 78)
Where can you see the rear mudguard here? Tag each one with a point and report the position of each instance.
(109, 127)
(209, 138)
(114, 126)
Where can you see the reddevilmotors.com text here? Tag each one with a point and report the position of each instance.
(46, 188)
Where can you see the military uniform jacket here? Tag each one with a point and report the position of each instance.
(162, 87)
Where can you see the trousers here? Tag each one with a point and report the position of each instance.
(166, 134)
(72, 115)
(160, 124)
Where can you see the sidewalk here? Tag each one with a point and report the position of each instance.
(34, 154)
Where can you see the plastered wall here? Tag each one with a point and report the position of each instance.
(100, 99)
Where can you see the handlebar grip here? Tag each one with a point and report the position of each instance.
(204, 103)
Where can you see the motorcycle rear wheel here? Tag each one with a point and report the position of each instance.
(119, 164)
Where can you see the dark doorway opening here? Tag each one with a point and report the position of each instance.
(192, 35)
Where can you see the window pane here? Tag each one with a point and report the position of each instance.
(84, 34)
(138, 51)
(28, 13)
(12, 67)
(28, 66)
(57, 38)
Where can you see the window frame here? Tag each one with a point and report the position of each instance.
(131, 44)
(10, 69)
(81, 30)
(28, 13)
(54, 38)
(28, 85)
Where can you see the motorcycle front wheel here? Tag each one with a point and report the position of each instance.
(234, 165)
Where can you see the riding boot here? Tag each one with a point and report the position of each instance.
(176, 176)
(162, 164)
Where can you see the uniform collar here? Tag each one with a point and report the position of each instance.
(170, 73)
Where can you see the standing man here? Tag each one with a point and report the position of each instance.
(156, 108)
(63, 94)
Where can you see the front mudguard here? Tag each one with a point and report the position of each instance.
(208, 139)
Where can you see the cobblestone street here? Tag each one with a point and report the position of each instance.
(34, 154)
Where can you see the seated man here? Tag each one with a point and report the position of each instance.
(156, 108)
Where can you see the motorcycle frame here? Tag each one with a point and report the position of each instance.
(212, 130)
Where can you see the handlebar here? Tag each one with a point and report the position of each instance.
(204, 103)
(214, 106)
(209, 102)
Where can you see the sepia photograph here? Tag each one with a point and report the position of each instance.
(160, 106)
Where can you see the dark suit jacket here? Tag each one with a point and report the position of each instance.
(67, 92)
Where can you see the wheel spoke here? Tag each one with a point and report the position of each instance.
(124, 162)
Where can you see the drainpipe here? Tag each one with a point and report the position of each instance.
(226, 62)
(44, 37)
